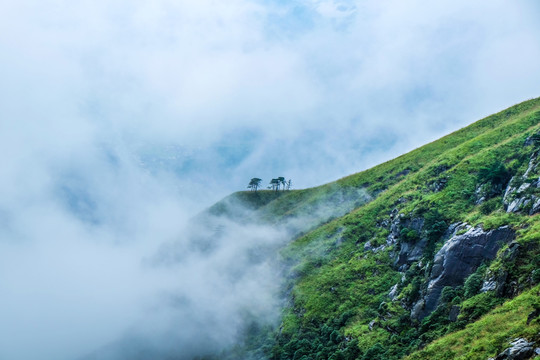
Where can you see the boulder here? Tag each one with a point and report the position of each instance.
(459, 257)
(521, 349)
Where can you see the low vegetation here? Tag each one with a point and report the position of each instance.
(364, 250)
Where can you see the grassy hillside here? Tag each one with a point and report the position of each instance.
(488, 336)
(348, 251)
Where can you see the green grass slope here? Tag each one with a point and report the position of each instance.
(342, 267)
(491, 334)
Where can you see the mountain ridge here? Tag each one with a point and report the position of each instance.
(364, 248)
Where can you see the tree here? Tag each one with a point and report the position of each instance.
(274, 184)
(281, 180)
(254, 184)
(289, 184)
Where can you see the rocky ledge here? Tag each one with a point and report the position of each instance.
(459, 257)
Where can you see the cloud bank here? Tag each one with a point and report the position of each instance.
(120, 121)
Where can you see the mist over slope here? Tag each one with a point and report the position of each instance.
(430, 242)
(355, 269)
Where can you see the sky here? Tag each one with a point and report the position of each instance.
(121, 120)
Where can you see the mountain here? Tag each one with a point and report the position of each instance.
(432, 255)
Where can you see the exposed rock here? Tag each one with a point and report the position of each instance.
(509, 188)
(454, 312)
(454, 228)
(534, 139)
(481, 193)
(458, 258)
(438, 184)
(418, 309)
(512, 251)
(519, 192)
(524, 187)
(495, 282)
(521, 349)
(410, 253)
(536, 205)
(379, 248)
(515, 205)
(487, 191)
(532, 165)
(533, 315)
(489, 285)
(395, 227)
(393, 292)
(368, 246)
(372, 324)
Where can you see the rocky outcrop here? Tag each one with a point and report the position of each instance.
(487, 191)
(459, 257)
(410, 251)
(438, 185)
(393, 294)
(521, 349)
(519, 195)
(534, 139)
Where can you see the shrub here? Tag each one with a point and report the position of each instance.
(496, 174)
(490, 206)
(409, 235)
(473, 284)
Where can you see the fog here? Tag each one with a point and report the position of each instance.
(121, 121)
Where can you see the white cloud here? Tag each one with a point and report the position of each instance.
(208, 94)
(335, 9)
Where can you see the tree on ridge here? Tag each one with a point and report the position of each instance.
(254, 184)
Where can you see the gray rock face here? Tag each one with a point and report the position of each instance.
(521, 349)
(398, 222)
(536, 206)
(458, 258)
(410, 253)
(454, 313)
(393, 293)
(489, 285)
(519, 192)
(532, 164)
(530, 140)
(418, 310)
(486, 191)
(368, 246)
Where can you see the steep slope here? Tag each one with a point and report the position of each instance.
(404, 253)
